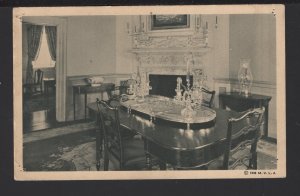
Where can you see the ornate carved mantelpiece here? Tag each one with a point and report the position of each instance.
(168, 52)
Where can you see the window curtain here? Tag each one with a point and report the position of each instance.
(34, 35)
(51, 40)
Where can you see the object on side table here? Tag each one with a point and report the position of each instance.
(95, 81)
(245, 77)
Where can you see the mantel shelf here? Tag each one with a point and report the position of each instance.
(201, 50)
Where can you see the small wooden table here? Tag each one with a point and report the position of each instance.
(48, 82)
(238, 102)
(86, 88)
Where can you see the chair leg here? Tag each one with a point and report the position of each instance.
(98, 157)
(99, 148)
(254, 161)
(98, 165)
(148, 161)
(162, 165)
(106, 160)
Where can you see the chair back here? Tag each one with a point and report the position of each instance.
(242, 132)
(208, 97)
(110, 126)
(38, 76)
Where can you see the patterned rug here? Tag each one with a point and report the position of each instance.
(76, 152)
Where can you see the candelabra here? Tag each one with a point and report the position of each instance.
(142, 86)
(190, 97)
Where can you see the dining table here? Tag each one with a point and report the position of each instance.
(181, 143)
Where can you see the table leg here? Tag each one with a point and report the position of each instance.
(46, 93)
(74, 112)
(221, 103)
(85, 103)
(266, 118)
(148, 156)
(99, 144)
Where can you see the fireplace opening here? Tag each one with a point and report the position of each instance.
(165, 85)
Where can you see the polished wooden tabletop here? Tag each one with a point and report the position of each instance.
(173, 142)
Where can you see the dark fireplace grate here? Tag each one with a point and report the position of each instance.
(165, 85)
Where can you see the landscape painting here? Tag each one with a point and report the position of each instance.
(170, 22)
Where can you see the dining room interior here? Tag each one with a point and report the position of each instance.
(149, 92)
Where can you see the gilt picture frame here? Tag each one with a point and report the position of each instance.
(165, 22)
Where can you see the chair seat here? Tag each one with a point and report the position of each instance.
(125, 133)
(134, 154)
(217, 164)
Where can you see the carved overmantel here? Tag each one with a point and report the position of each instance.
(168, 52)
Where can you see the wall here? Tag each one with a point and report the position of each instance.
(91, 50)
(124, 59)
(254, 37)
(217, 61)
(91, 45)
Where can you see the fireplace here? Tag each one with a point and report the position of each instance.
(165, 85)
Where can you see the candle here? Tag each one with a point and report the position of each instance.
(128, 31)
(187, 72)
(187, 66)
(200, 21)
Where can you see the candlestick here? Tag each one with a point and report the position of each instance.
(188, 76)
(127, 24)
(200, 21)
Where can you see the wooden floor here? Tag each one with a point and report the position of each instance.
(39, 113)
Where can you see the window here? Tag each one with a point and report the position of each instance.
(44, 59)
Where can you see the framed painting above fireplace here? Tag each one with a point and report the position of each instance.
(161, 22)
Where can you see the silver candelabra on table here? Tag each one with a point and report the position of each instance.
(141, 87)
(190, 96)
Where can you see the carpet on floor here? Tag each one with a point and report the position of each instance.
(76, 152)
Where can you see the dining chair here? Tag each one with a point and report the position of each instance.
(38, 81)
(127, 151)
(243, 133)
(208, 97)
(37, 85)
